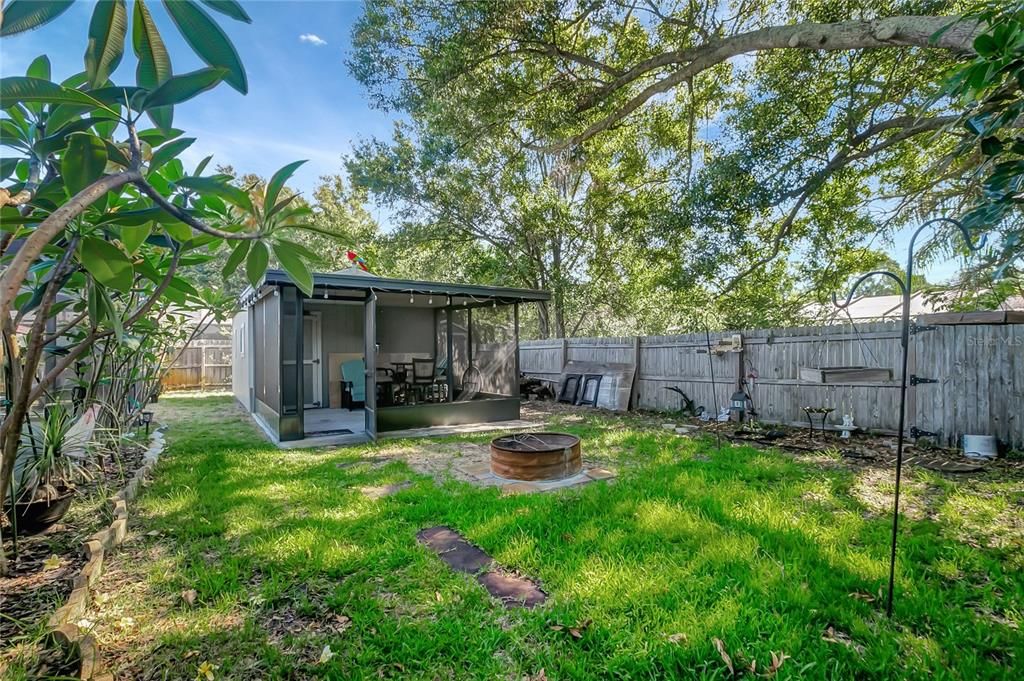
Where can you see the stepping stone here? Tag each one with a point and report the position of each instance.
(385, 490)
(599, 474)
(513, 592)
(455, 551)
(461, 556)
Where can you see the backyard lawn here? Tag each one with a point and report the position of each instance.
(245, 562)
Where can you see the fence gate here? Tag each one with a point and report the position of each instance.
(967, 379)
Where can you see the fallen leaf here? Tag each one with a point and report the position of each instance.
(833, 635)
(720, 647)
(861, 596)
(438, 597)
(126, 622)
(190, 654)
(101, 597)
(539, 676)
(575, 630)
(153, 533)
(776, 664)
(85, 624)
(326, 655)
(678, 638)
(189, 596)
(51, 563)
(205, 672)
(342, 622)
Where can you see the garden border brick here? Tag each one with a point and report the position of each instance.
(63, 633)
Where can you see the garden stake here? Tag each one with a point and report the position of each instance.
(906, 286)
(714, 395)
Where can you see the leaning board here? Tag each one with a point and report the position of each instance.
(616, 381)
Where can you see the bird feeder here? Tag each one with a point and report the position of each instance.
(738, 406)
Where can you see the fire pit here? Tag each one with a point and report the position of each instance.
(536, 456)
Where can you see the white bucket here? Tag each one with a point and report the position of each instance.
(980, 446)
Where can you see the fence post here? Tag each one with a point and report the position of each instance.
(634, 390)
(565, 354)
(740, 378)
(202, 367)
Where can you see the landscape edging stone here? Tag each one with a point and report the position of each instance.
(63, 632)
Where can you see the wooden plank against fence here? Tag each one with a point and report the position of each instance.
(981, 387)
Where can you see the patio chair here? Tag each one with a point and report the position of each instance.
(425, 379)
(353, 384)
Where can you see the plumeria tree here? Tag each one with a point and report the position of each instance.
(100, 218)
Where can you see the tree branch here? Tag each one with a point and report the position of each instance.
(902, 31)
(916, 125)
(183, 215)
(54, 224)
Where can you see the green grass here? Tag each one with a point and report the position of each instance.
(689, 544)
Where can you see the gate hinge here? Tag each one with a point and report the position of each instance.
(916, 432)
(918, 380)
(918, 328)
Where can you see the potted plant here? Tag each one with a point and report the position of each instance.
(50, 460)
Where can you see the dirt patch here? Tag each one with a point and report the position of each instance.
(469, 462)
(382, 491)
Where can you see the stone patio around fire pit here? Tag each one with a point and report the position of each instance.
(470, 463)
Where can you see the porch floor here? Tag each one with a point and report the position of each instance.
(359, 436)
(332, 420)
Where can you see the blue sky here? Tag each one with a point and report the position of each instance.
(302, 101)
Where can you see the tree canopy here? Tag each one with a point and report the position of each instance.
(660, 160)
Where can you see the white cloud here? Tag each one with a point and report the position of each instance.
(312, 39)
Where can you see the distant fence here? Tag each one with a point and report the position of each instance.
(204, 365)
(978, 374)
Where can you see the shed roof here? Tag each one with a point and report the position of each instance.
(351, 281)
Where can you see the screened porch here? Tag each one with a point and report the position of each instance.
(366, 355)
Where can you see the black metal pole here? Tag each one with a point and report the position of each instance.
(906, 287)
(905, 342)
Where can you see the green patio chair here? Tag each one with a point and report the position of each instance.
(353, 384)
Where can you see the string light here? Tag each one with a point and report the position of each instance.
(412, 298)
(430, 300)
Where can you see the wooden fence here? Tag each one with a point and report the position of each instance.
(978, 372)
(204, 365)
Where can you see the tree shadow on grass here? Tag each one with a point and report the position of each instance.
(726, 548)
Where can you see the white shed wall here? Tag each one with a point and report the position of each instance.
(241, 341)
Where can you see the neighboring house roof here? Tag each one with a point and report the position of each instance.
(880, 308)
(357, 280)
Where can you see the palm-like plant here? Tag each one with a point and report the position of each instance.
(51, 458)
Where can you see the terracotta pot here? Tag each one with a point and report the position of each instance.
(34, 517)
